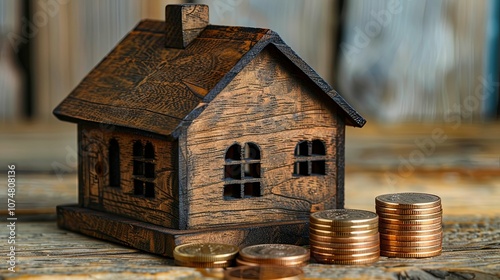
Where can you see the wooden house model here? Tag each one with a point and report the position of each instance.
(193, 132)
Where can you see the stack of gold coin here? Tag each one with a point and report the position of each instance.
(205, 255)
(273, 254)
(410, 225)
(344, 236)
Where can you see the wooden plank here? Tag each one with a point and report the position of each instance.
(470, 244)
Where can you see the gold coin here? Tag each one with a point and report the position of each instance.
(264, 272)
(411, 227)
(205, 252)
(336, 251)
(280, 254)
(339, 245)
(416, 211)
(217, 264)
(408, 200)
(345, 228)
(410, 217)
(392, 254)
(409, 222)
(346, 256)
(369, 232)
(241, 262)
(347, 262)
(414, 249)
(352, 239)
(209, 272)
(411, 238)
(343, 217)
(411, 232)
(437, 241)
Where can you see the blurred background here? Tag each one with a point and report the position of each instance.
(393, 60)
(411, 68)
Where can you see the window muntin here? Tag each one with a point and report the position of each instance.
(143, 172)
(310, 158)
(242, 172)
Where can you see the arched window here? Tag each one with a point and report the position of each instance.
(242, 173)
(310, 158)
(114, 163)
(144, 169)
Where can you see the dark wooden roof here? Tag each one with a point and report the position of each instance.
(143, 85)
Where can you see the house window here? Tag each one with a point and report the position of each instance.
(143, 169)
(114, 163)
(242, 174)
(310, 158)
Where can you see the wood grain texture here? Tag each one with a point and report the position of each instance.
(162, 209)
(184, 23)
(471, 251)
(162, 241)
(143, 85)
(140, 84)
(268, 105)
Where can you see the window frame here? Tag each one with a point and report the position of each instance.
(308, 160)
(243, 185)
(144, 169)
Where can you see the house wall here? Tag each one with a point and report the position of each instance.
(269, 104)
(95, 191)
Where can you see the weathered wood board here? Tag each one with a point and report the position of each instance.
(162, 241)
(471, 249)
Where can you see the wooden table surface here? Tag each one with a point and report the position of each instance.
(464, 170)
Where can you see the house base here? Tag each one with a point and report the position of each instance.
(162, 241)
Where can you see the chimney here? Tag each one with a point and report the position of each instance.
(184, 23)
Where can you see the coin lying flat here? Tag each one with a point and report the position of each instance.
(205, 252)
(264, 272)
(353, 239)
(410, 249)
(410, 255)
(343, 217)
(408, 200)
(412, 211)
(333, 233)
(336, 251)
(348, 262)
(339, 245)
(409, 222)
(410, 229)
(411, 238)
(395, 244)
(217, 264)
(240, 262)
(359, 227)
(346, 256)
(438, 214)
(277, 254)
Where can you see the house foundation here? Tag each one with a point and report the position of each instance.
(162, 241)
